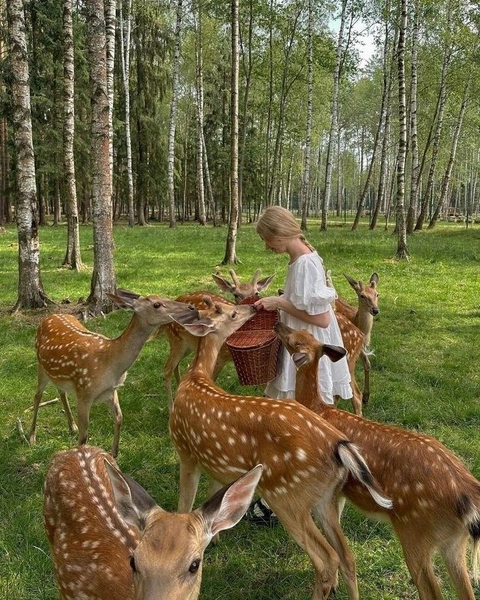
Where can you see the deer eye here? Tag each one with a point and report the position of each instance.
(158, 305)
(194, 566)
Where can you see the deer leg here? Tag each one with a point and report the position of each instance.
(366, 377)
(328, 513)
(454, 554)
(189, 478)
(83, 412)
(116, 412)
(68, 413)
(300, 525)
(42, 380)
(419, 562)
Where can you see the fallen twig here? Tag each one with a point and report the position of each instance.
(42, 404)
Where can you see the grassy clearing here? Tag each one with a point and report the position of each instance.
(425, 377)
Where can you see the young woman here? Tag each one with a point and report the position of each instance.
(305, 304)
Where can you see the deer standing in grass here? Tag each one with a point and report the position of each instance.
(362, 317)
(305, 460)
(181, 342)
(111, 541)
(436, 500)
(93, 366)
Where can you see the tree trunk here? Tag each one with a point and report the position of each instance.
(415, 166)
(230, 250)
(308, 133)
(451, 160)
(200, 164)
(333, 119)
(442, 101)
(173, 115)
(125, 37)
(402, 251)
(103, 277)
(30, 288)
(110, 26)
(73, 257)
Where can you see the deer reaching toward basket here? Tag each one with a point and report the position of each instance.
(111, 541)
(93, 366)
(181, 342)
(305, 460)
(436, 500)
(362, 317)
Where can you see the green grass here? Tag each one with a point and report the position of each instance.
(425, 377)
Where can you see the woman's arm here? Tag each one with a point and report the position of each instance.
(280, 303)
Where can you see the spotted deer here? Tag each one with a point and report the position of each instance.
(305, 460)
(93, 366)
(353, 341)
(181, 342)
(110, 541)
(436, 500)
(362, 317)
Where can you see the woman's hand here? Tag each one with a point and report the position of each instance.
(268, 303)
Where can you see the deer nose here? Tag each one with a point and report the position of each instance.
(375, 311)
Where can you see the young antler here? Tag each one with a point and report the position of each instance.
(181, 342)
(93, 366)
(305, 460)
(111, 541)
(362, 317)
(436, 500)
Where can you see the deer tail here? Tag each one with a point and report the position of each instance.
(350, 457)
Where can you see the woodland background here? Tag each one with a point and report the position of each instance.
(213, 111)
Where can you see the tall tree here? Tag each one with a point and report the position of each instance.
(230, 250)
(30, 289)
(202, 218)
(173, 113)
(125, 37)
(73, 257)
(402, 250)
(308, 132)
(103, 276)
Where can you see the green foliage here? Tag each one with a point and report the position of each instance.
(425, 377)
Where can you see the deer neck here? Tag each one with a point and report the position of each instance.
(206, 357)
(125, 349)
(364, 321)
(307, 390)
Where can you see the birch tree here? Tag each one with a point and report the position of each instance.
(308, 132)
(30, 289)
(73, 257)
(230, 250)
(173, 114)
(402, 251)
(125, 43)
(103, 277)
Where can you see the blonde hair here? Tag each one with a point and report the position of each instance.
(276, 221)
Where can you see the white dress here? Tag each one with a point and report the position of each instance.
(306, 289)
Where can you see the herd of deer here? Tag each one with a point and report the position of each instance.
(109, 538)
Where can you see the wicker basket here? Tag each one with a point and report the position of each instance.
(254, 348)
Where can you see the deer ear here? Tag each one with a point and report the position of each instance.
(263, 284)
(132, 501)
(225, 508)
(123, 298)
(223, 284)
(334, 353)
(374, 280)
(300, 359)
(199, 328)
(356, 285)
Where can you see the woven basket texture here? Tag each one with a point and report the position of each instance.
(254, 348)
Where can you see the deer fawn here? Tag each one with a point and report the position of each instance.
(182, 343)
(111, 541)
(93, 366)
(353, 341)
(436, 500)
(305, 460)
(362, 317)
